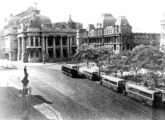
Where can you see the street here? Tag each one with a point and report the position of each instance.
(76, 98)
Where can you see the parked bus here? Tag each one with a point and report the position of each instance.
(70, 69)
(163, 93)
(114, 83)
(91, 74)
(151, 97)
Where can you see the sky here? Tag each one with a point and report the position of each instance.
(143, 15)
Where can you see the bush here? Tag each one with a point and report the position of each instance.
(138, 78)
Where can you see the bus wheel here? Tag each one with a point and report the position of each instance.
(70, 75)
(124, 92)
(100, 82)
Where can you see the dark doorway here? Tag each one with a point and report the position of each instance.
(50, 52)
(73, 50)
(58, 53)
(50, 41)
(57, 40)
(65, 53)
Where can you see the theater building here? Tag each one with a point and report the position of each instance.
(32, 37)
(114, 33)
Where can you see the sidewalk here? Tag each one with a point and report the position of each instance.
(11, 105)
(11, 101)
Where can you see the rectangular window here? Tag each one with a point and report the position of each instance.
(64, 41)
(58, 42)
(112, 82)
(114, 47)
(145, 94)
(31, 41)
(36, 41)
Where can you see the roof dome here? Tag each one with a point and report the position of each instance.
(36, 17)
(106, 20)
(122, 20)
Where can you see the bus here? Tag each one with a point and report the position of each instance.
(163, 93)
(151, 97)
(91, 74)
(114, 83)
(70, 69)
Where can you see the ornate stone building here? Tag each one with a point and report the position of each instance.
(162, 38)
(114, 33)
(30, 37)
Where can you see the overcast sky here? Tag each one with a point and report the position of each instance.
(143, 15)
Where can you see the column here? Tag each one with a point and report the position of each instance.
(47, 45)
(29, 41)
(71, 45)
(43, 49)
(61, 46)
(19, 48)
(54, 46)
(23, 50)
(34, 41)
(68, 47)
(39, 41)
(43, 44)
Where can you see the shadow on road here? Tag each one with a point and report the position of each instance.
(38, 99)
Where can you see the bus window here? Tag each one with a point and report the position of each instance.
(121, 83)
(145, 94)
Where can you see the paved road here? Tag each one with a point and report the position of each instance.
(81, 99)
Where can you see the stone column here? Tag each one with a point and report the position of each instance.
(68, 47)
(47, 45)
(19, 50)
(29, 41)
(61, 46)
(39, 41)
(43, 49)
(71, 45)
(23, 49)
(54, 47)
(34, 41)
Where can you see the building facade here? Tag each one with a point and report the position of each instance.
(114, 33)
(32, 37)
(162, 37)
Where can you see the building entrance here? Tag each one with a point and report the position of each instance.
(50, 52)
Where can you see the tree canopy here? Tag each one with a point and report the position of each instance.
(141, 57)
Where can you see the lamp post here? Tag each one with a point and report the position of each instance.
(25, 82)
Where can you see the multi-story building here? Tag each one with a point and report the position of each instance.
(30, 36)
(114, 33)
(162, 38)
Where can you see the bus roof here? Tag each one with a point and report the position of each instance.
(90, 70)
(70, 65)
(112, 78)
(142, 88)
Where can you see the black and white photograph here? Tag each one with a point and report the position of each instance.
(82, 60)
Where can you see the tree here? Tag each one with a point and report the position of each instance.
(148, 57)
(119, 63)
(86, 53)
(151, 79)
(137, 60)
(97, 55)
